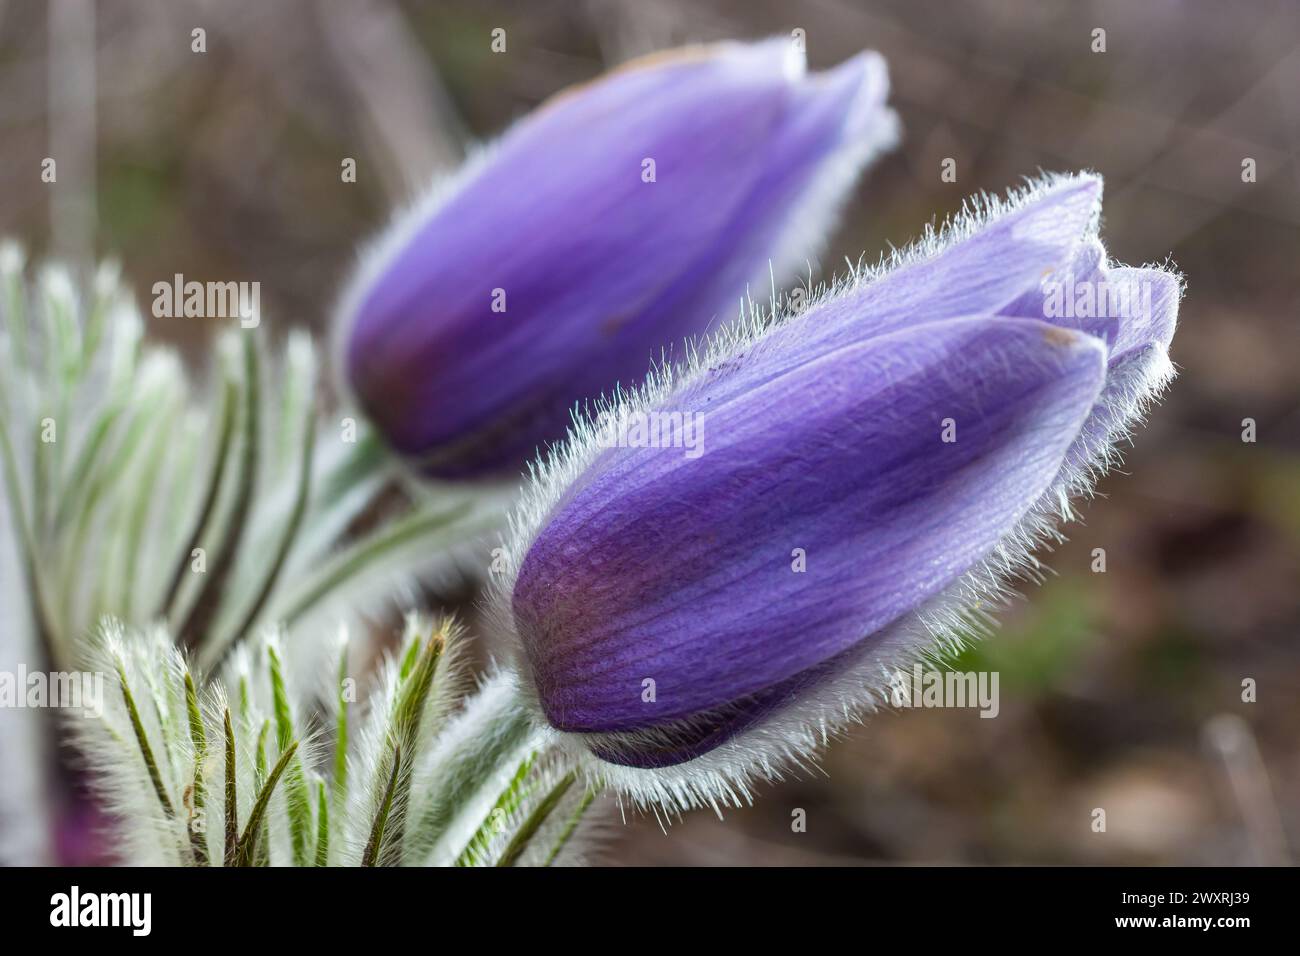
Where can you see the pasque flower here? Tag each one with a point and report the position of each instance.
(873, 472)
(616, 220)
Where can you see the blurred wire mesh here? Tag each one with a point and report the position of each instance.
(1119, 690)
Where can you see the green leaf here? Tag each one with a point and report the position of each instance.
(414, 691)
(280, 699)
(533, 822)
(299, 800)
(139, 515)
(248, 841)
(226, 433)
(498, 729)
(571, 825)
(411, 655)
(341, 735)
(367, 458)
(259, 759)
(194, 630)
(263, 855)
(43, 618)
(507, 803)
(371, 855)
(232, 805)
(371, 550)
(322, 825)
(197, 734)
(404, 733)
(105, 478)
(287, 538)
(151, 765)
(198, 838)
(87, 458)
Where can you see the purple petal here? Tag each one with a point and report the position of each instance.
(1062, 295)
(659, 566)
(1151, 324)
(990, 271)
(1146, 305)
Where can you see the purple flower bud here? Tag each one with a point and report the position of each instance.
(869, 474)
(618, 219)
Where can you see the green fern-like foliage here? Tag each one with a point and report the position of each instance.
(162, 525)
(255, 769)
(212, 508)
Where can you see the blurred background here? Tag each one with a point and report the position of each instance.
(1120, 690)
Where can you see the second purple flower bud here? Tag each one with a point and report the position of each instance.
(616, 220)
